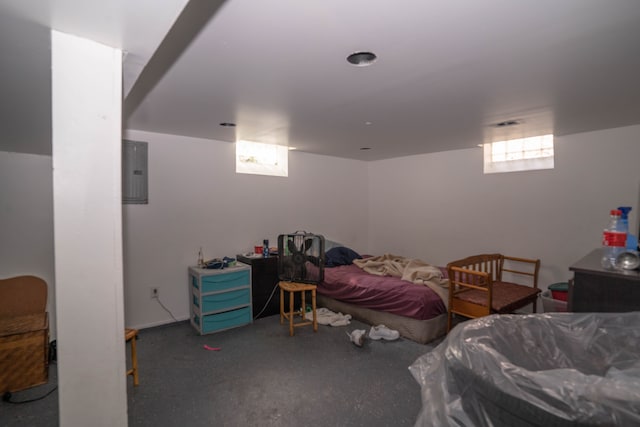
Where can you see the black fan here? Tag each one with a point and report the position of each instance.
(301, 257)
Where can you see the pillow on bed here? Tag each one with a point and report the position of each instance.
(330, 244)
(340, 255)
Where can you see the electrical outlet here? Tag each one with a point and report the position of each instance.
(154, 293)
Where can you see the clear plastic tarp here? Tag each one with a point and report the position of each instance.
(554, 369)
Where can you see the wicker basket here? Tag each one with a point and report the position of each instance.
(24, 344)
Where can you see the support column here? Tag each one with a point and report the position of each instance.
(86, 144)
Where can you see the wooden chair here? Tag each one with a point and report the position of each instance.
(481, 285)
(292, 288)
(132, 335)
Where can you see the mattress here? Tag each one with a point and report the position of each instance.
(420, 331)
(350, 284)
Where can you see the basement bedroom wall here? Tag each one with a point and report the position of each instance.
(441, 207)
(26, 220)
(437, 207)
(197, 200)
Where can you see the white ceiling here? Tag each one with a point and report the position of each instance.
(135, 26)
(446, 69)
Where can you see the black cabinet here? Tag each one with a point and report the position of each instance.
(264, 285)
(594, 288)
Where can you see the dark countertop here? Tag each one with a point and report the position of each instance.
(248, 260)
(591, 264)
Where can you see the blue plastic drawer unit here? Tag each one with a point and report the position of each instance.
(223, 300)
(226, 320)
(220, 282)
(220, 299)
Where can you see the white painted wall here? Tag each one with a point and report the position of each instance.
(197, 200)
(437, 207)
(26, 221)
(86, 80)
(440, 207)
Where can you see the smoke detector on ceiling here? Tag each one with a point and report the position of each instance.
(506, 123)
(362, 59)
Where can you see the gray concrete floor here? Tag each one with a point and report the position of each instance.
(261, 377)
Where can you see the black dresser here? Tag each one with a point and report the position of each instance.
(594, 288)
(264, 279)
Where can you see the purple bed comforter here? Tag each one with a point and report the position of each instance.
(351, 284)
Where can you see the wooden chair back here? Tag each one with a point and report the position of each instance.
(483, 284)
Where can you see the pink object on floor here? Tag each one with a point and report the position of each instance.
(206, 347)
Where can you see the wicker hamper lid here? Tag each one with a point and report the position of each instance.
(15, 325)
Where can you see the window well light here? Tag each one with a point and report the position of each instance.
(530, 153)
(262, 159)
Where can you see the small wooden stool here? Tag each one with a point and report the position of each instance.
(131, 335)
(292, 288)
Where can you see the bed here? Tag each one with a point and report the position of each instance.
(414, 310)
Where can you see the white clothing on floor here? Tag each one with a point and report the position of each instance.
(328, 317)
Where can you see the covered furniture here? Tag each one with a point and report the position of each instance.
(491, 283)
(24, 333)
(551, 369)
(302, 288)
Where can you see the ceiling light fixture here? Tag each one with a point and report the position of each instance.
(362, 59)
(506, 123)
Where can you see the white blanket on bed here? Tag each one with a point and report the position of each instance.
(409, 269)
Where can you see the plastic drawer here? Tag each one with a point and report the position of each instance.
(220, 282)
(224, 300)
(226, 320)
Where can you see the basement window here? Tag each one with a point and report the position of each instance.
(262, 159)
(532, 153)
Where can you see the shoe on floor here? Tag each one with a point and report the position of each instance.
(382, 332)
(357, 336)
